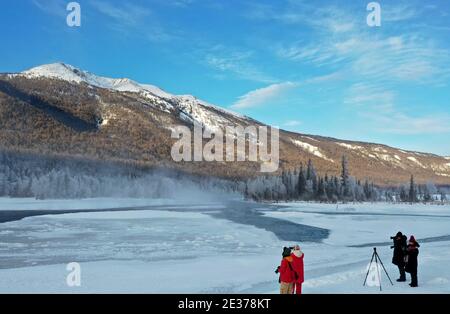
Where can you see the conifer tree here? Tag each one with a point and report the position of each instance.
(345, 182)
(301, 182)
(412, 195)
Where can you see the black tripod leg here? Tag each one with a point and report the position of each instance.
(378, 269)
(368, 270)
(385, 270)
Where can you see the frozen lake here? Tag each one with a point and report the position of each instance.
(153, 246)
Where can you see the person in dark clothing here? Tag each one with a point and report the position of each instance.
(399, 254)
(412, 251)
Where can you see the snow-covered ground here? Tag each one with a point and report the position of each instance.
(188, 251)
(337, 266)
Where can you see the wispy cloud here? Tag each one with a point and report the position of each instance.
(180, 3)
(292, 123)
(263, 95)
(327, 18)
(370, 97)
(52, 7)
(377, 106)
(132, 19)
(399, 12)
(237, 64)
(406, 57)
(372, 63)
(401, 123)
(337, 75)
(277, 91)
(125, 14)
(337, 38)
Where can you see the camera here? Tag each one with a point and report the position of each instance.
(393, 238)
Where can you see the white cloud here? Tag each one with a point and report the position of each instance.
(292, 123)
(377, 106)
(52, 7)
(341, 27)
(328, 18)
(236, 63)
(398, 12)
(401, 123)
(263, 95)
(127, 14)
(132, 20)
(407, 57)
(380, 60)
(179, 3)
(324, 78)
(370, 97)
(275, 91)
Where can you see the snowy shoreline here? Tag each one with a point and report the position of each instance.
(10, 203)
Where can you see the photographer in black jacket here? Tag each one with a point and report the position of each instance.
(399, 254)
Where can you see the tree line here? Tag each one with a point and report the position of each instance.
(304, 184)
(415, 193)
(44, 177)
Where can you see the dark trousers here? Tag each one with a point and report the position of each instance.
(401, 269)
(414, 282)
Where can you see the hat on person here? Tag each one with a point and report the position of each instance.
(286, 252)
(412, 241)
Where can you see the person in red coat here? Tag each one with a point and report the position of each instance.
(298, 265)
(411, 260)
(287, 275)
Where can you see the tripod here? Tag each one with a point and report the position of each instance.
(377, 259)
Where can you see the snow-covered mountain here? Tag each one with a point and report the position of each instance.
(70, 73)
(192, 109)
(60, 109)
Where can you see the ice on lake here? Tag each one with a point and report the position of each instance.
(189, 249)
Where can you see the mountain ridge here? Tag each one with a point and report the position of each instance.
(121, 84)
(131, 119)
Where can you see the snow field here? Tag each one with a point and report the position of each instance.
(160, 251)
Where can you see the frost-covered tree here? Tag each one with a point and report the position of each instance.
(427, 197)
(403, 195)
(44, 177)
(321, 191)
(443, 197)
(301, 182)
(310, 171)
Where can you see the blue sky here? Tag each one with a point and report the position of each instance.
(309, 66)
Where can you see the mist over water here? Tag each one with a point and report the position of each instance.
(58, 178)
